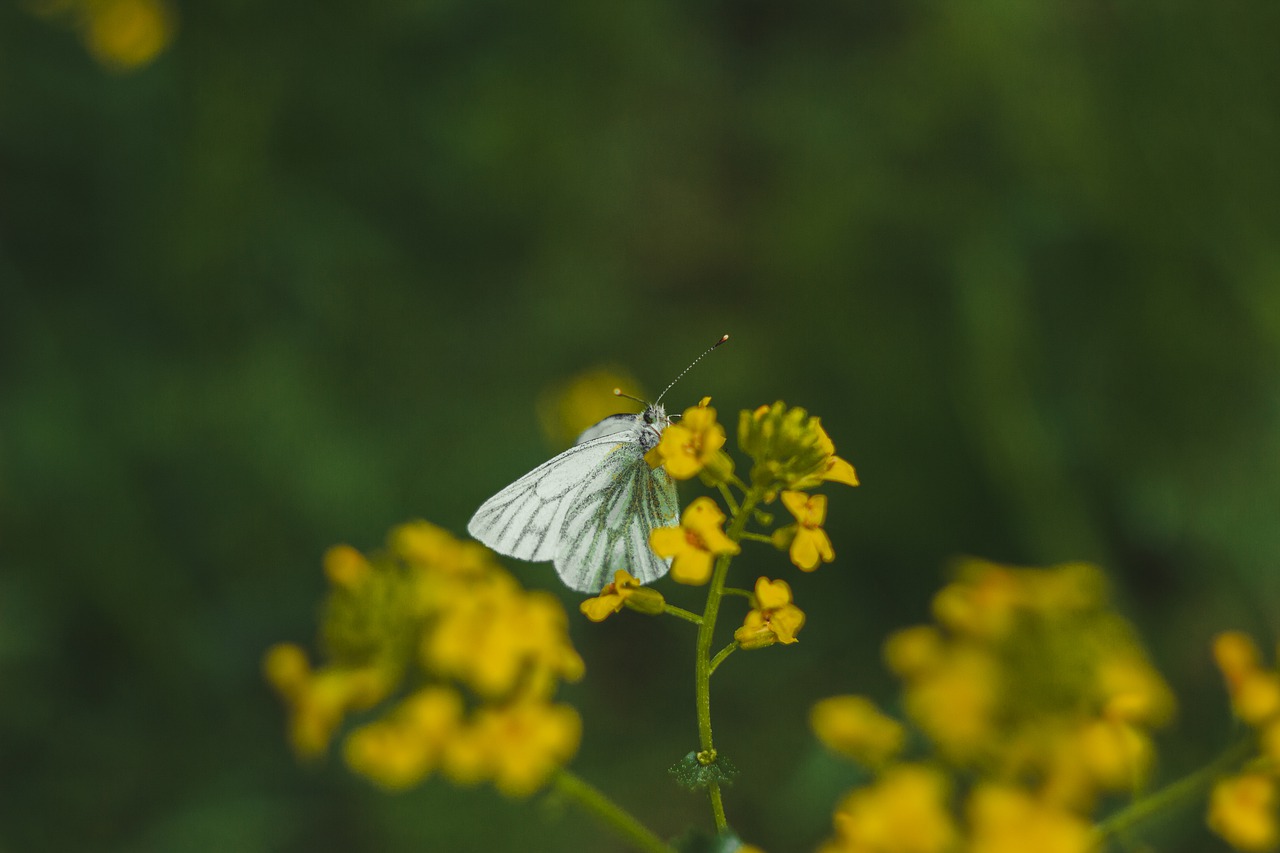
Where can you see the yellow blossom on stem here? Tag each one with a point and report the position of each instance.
(806, 541)
(624, 591)
(690, 444)
(1242, 809)
(695, 544)
(774, 619)
(854, 727)
(790, 449)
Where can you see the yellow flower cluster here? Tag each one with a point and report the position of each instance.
(1029, 685)
(477, 658)
(790, 450)
(1243, 808)
(120, 34)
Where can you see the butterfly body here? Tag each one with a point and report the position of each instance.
(590, 509)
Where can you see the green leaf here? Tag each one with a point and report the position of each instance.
(696, 770)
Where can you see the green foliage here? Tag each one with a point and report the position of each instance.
(277, 287)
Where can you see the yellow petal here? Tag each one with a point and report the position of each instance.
(786, 621)
(772, 594)
(601, 608)
(692, 567)
(668, 541)
(840, 471)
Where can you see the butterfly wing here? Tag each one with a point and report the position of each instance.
(590, 510)
(524, 519)
(608, 525)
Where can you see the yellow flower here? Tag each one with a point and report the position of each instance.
(695, 543)
(527, 741)
(319, 700)
(1254, 691)
(790, 449)
(400, 749)
(624, 591)
(690, 444)
(1242, 809)
(954, 702)
(835, 469)
(127, 34)
(344, 566)
(1007, 820)
(774, 620)
(806, 541)
(570, 407)
(904, 812)
(854, 727)
(497, 639)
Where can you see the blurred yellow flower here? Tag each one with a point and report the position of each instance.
(319, 700)
(905, 811)
(127, 34)
(400, 749)
(1242, 810)
(1004, 819)
(690, 444)
(773, 620)
(806, 541)
(568, 408)
(695, 543)
(526, 742)
(855, 728)
(488, 658)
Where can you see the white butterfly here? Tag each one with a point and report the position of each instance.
(591, 509)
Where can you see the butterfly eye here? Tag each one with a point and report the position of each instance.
(648, 417)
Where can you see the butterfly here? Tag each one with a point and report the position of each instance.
(590, 510)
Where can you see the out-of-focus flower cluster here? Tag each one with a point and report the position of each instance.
(1031, 690)
(464, 662)
(1243, 807)
(120, 34)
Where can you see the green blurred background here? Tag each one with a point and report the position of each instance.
(303, 275)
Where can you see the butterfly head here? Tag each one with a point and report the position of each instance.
(653, 420)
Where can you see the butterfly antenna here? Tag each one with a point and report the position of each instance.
(617, 392)
(690, 367)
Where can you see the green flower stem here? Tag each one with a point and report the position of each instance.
(1175, 793)
(745, 593)
(682, 613)
(758, 537)
(617, 818)
(728, 498)
(703, 663)
(722, 654)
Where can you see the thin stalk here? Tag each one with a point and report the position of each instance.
(722, 654)
(1186, 788)
(758, 537)
(617, 818)
(682, 613)
(702, 661)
